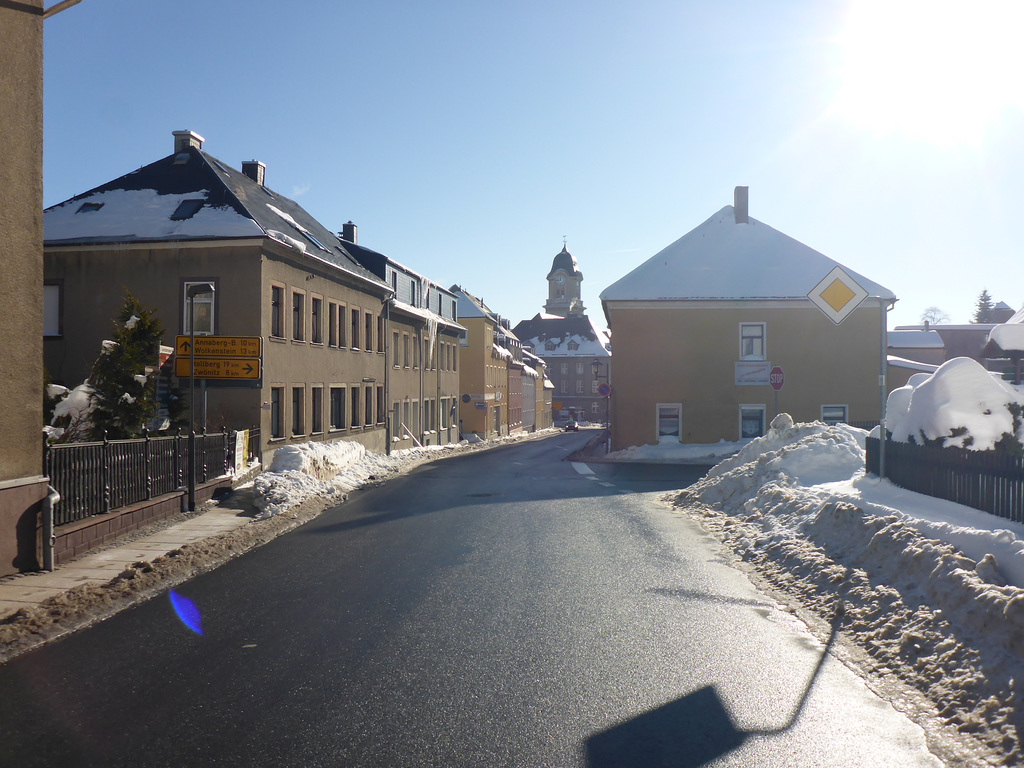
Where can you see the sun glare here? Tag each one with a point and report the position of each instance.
(941, 71)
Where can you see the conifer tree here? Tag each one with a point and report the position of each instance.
(984, 309)
(124, 395)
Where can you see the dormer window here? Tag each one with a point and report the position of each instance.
(573, 346)
(89, 207)
(186, 209)
(549, 346)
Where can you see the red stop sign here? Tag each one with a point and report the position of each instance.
(776, 378)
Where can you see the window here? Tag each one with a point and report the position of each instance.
(579, 387)
(463, 339)
(669, 422)
(380, 404)
(442, 414)
(579, 369)
(751, 421)
(594, 408)
(394, 349)
(276, 417)
(317, 410)
(203, 308)
(752, 341)
(368, 404)
(573, 346)
(316, 305)
(405, 350)
(834, 414)
(368, 332)
(186, 209)
(337, 407)
(342, 324)
(380, 333)
(564, 368)
(405, 418)
(298, 401)
(593, 386)
(298, 316)
(355, 406)
(332, 324)
(276, 311)
(564, 387)
(52, 309)
(354, 341)
(416, 351)
(549, 346)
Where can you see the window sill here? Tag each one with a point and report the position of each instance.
(278, 339)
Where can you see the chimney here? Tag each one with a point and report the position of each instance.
(740, 205)
(184, 140)
(348, 232)
(255, 170)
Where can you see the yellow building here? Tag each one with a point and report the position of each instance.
(699, 329)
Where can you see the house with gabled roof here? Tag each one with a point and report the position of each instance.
(697, 329)
(279, 274)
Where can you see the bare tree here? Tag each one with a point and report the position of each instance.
(934, 316)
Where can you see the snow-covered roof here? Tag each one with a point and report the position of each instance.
(721, 259)
(425, 314)
(913, 365)
(574, 336)
(191, 196)
(915, 339)
(1009, 337)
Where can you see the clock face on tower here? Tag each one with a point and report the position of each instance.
(560, 280)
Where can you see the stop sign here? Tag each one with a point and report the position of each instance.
(776, 378)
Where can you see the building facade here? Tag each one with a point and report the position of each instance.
(22, 484)
(699, 329)
(576, 352)
(279, 275)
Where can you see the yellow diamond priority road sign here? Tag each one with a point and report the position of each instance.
(837, 295)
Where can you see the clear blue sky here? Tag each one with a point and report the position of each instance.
(465, 139)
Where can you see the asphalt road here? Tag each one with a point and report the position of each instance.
(503, 608)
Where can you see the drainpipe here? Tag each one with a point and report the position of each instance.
(49, 538)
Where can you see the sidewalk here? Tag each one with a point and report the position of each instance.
(32, 589)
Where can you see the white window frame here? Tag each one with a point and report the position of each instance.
(201, 300)
(843, 420)
(753, 407)
(678, 407)
(764, 341)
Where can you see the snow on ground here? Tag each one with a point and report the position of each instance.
(933, 592)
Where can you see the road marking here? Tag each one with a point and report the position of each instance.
(583, 469)
(608, 485)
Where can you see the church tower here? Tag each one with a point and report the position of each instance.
(564, 291)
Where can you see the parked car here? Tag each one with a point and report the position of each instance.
(572, 426)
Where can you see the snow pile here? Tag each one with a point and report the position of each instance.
(933, 592)
(330, 471)
(674, 452)
(961, 404)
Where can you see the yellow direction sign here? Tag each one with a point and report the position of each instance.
(219, 368)
(220, 346)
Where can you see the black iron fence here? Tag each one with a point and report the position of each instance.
(987, 480)
(94, 478)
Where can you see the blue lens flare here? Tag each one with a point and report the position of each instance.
(187, 612)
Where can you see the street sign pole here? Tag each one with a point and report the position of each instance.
(193, 291)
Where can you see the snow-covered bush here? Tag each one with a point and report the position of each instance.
(961, 405)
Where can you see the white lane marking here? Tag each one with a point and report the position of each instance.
(583, 469)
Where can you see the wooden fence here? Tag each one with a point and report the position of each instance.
(986, 480)
(94, 478)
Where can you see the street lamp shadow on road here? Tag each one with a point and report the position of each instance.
(689, 732)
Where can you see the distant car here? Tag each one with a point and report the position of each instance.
(572, 426)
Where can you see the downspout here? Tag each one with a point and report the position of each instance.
(387, 377)
(49, 538)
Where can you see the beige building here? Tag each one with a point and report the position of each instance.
(488, 351)
(22, 484)
(279, 275)
(698, 329)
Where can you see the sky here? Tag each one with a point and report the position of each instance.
(469, 140)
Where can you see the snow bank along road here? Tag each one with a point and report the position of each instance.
(928, 586)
